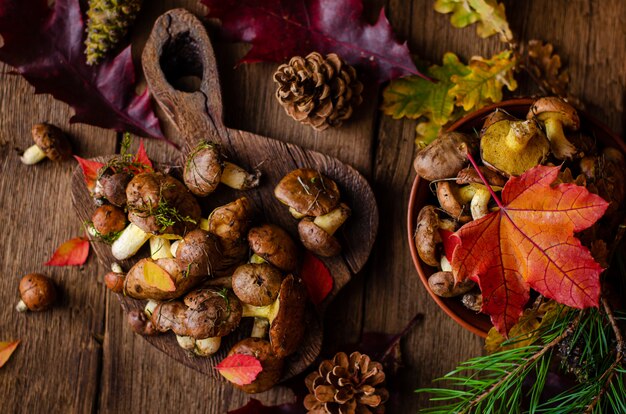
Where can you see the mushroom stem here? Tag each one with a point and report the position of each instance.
(160, 248)
(174, 247)
(445, 264)
(332, 221)
(256, 259)
(260, 328)
(21, 306)
(150, 307)
(266, 312)
(236, 177)
(466, 193)
(129, 242)
(559, 145)
(519, 134)
(297, 215)
(480, 202)
(32, 155)
(207, 346)
(186, 342)
(204, 224)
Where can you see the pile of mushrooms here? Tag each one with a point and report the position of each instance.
(507, 147)
(314, 199)
(223, 268)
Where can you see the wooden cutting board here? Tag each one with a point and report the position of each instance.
(180, 68)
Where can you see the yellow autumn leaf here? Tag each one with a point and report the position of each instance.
(156, 276)
(489, 16)
(484, 84)
(6, 350)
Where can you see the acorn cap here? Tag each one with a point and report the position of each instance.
(308, 192)
(52, 141)
(274, 244)
(317, 240)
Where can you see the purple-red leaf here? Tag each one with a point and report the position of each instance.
(45, 45)
(280, 29)
(316, 277)
(73, 252)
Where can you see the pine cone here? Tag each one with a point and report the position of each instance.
(346, 385)
(318, 92)
(107, 23)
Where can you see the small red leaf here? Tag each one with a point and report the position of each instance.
(90, 171)
(73, 252)
(240, 369)
(316, 278)
(141, 156)
(450, 242)
(6, 349)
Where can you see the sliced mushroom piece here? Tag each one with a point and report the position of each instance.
(512, 147)
(307, 192)
(556, 114)
(445, 156)
(205, 168)
(272, 365)
(274, 245)
(160, 204)
(427, 237)
(317, 235)
(50, 142)
(286, 317)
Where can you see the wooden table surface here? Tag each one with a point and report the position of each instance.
(82, 356)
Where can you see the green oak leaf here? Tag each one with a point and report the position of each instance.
(489, 15)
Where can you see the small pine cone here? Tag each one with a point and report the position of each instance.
(346, 385)
(318, 91)
(107, 23)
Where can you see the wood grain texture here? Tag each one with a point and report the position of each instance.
(590, 36)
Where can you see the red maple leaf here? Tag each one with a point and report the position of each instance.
(529, 243)
(141, 157)
(73, 252)
(316, 278)
(90, 171)
(280, 29)
(45, 45)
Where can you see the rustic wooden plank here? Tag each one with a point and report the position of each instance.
(56, 366)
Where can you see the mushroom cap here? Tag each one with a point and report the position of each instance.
(449, 200)
(37, 291)
(114, 187)
(308, 192)
(231, 221)
(199, 254)
(257, 284)
(52, 141)
(445, 156)
(274, 245)
(427, 235)
(552, 106)
(271, 364)
(203, 168)
(498, 156)
(114, 281)
(108, 219)
(317, 240)
(154, 199)
(168, 316)
(288, 327)
(496, 116)
(211, 312)
(469, 175)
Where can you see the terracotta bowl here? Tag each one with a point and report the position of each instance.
(421, 195)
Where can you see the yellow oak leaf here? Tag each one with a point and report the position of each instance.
(489, 16)
(156, 276)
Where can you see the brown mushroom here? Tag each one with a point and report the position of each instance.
(198, 254)
(205, 168)
(112, 187)
(479, 204)
(37, 293)
(427, 237)
(114, 281)
(512, 147)
(274, 245)
(556, 114)
(50, 142)
(205, 316)
(445, 156)
(108, 222)
(136, 286)
(140, 323)
(307, 192)
(160, 204)
(442, 284)
(454, 200)
(473, 300)
(271, 364)
(286, 317)
(317, 235)
(257, 284)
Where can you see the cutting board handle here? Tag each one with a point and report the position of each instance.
(179, 65)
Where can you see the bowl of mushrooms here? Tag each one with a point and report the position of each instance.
(506, 139)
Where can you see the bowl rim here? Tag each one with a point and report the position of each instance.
(470, 325)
